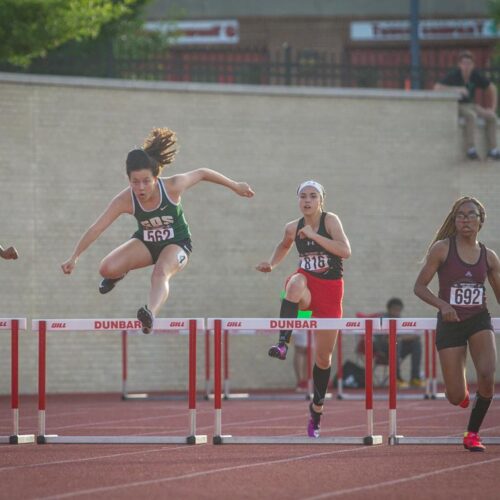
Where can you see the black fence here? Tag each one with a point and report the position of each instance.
(244, 66)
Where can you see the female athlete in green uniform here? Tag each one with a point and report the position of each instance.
(163, 237)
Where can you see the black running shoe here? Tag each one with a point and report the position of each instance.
(145, 316)
(107, 284)
(278, 351)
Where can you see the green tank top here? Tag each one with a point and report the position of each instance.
(164, 224)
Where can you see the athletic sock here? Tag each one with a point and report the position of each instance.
(321, 378)
(288, 310)
(481, 405)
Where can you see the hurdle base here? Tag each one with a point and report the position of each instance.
(21, 438)
(293, 440)
(438, 440)
(144, 396)
(55, 439)
(197, 439)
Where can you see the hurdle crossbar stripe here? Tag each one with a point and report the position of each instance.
(42, 326)
(404, 324)
(266, 324)
(15, 325)
(277, 324)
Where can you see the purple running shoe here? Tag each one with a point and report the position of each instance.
(278, 351)
(314, 423)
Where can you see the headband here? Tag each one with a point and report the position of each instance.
(316, 185)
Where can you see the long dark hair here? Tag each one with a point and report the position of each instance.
(158, 151)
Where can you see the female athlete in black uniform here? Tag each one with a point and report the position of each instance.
(317, 285)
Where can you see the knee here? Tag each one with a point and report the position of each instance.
(107, 269)
(323, 361)
(295, 287)
(159, 274)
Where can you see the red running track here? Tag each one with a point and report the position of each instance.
(299, 472)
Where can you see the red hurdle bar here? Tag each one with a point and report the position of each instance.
(161, 325)
(260, 324)
(207, 364)
(15, 437)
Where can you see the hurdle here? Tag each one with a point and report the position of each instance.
(218, 325)
(430, 384)
(161, 325)
(15, 325)
(249, 396)
(401, 325)
(141, 396)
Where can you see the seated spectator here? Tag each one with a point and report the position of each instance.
(464, 80)
(408, 344)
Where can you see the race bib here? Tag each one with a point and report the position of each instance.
(159, 234)
(314, 262)
(466, 295)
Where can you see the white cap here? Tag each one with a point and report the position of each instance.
(316, 185)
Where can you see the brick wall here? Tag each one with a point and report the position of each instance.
(390, 162)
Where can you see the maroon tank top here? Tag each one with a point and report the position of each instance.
(462, 284)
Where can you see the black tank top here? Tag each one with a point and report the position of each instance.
(313, 258)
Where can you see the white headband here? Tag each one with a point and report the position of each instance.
(316, 185)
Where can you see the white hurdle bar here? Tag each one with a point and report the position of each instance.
(218, 325)
(15, 325)
(396, 326)
(161, 325)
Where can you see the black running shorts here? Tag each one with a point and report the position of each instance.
(455, 334)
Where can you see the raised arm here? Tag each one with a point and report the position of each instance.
(177, 184)
(494, 273)
(338, 245)
(281, 250)
(119, 205)
(436, 256)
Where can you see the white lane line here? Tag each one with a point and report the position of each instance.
(347, 491)
(198, 474)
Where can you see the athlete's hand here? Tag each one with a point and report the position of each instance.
(264, 267)
(10, 253)
(306, 232)
(68, 266)
(243, 189)
(449, 314)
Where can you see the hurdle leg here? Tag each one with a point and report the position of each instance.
(370, 438)
(193, 438)
(124, 365)
(16, 438)
(42, 358)
(309, 369)
(207, 364)
(218, 437)
(226, 364)
(340, 370)
(427, 369)
(393, 352)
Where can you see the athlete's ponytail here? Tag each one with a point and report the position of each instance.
(157, 152)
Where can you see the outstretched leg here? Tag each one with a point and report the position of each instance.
(171, 260)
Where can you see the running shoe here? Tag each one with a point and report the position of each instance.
(466, 401)
(493, 154)
(314, 423)
(107, 284)
(278, 351)
(472, 154)
(417, 383)
(145, 316)
(402, 384)
(472, 442)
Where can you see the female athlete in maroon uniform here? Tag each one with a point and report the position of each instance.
(463, 264)
(316, 286)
